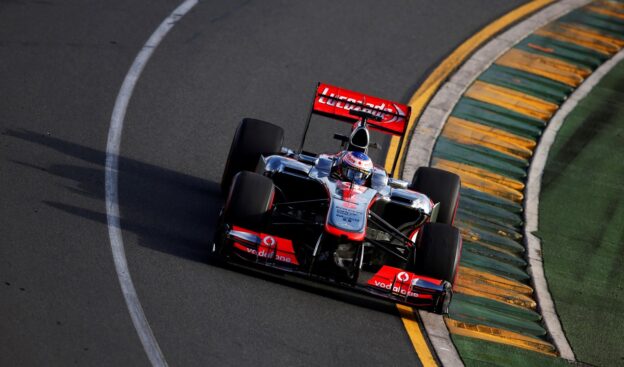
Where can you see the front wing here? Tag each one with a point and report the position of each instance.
(391, 283)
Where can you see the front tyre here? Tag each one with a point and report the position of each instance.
(253, 138)
(248, 205)
(437, 256)
(249, 202)
(438, 251)
(441, 187)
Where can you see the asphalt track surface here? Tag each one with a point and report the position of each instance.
(61, 66)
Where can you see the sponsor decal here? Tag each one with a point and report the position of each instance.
(270, 254)
(403, 276)
(346, 218)
(349, 191)
(268, 246)
(404, 291)
(400, 282)
(348, 205)
(345, 102)
(353, 188)
(394, 280)
(268, 241)
(337, 101)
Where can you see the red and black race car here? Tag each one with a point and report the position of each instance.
(338, 218)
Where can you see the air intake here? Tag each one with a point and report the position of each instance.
(359, 140)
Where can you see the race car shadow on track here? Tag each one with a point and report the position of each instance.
(320, 289)
(169, 211)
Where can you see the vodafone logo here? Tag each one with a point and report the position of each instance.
(403, 276)
(268, 241)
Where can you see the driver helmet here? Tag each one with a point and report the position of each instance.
(355, 167)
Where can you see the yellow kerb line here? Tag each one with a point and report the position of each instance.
(428, 88)
(416, 336)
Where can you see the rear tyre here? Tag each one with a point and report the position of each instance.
(439, 250)
(441, 187)
(249, 201)
(252, 139)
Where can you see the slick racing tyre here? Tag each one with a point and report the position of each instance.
(438, 251)
(249, 201)
(252, 139)
(441, 187)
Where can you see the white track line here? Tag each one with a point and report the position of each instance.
(534, 184)
(429, 127)
(150, 345)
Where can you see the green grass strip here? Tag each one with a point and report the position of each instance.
(582, 223)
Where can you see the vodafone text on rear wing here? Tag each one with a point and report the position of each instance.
(337, 102)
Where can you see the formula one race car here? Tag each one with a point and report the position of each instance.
(338, 218)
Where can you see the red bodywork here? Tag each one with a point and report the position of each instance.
(337, 102)
(267, 246)
(388, 282)
(399, 282)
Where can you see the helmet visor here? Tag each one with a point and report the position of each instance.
(355, 175)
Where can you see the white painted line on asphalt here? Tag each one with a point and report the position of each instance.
(531, 214)
(431, 123)
(150, 345)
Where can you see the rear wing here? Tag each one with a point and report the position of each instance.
(336, 102)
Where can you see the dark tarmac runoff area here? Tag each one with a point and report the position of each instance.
(62, 64)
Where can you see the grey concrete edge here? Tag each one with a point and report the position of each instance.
(534, 184)
(431, 122)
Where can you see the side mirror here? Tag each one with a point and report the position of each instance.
(341, 138)
(397, 184)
